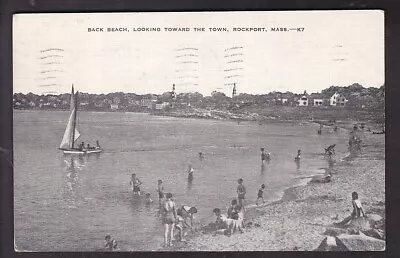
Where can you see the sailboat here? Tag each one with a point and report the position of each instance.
(72, 134)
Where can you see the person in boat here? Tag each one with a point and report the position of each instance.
(169, 218)
(190, 173)
(298, 156)
(82, 145)
(265, 156)
(241, 192)
(97, 144)
(135, 183)
(357, 212)
(88, 146)
(160, 190)
(330, 150)
(110, 243)
(260, 194)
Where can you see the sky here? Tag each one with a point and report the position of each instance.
(53, 51)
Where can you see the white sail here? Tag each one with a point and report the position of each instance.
(67, 138)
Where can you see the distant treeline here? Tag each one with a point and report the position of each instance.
(357, 97)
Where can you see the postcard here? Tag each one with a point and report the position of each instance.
(199, 131)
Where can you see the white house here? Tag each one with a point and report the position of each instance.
(337, 100)
(114, 106)
(303, 101)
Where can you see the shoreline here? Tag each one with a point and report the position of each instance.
(297, 220)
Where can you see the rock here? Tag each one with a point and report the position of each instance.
(329, 244)
(374, 219)
(321, 179)
(376, 233)
(334, 231)
(359, 243)
(353, 231)
(360, 223)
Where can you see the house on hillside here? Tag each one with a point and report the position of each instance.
(114, 107)
(303, 101)
(337, 100)
(317, 99)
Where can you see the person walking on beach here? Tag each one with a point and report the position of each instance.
(169, 218)
(135, 183)
(160, 191)
(260, 194)
(190, 173)
(241, 192)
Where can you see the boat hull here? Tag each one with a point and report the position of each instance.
(81, 152)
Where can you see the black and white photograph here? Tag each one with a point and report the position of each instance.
(199, 131)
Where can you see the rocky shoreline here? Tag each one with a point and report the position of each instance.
(303, 220)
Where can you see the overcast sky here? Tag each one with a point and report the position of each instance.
(335, 48)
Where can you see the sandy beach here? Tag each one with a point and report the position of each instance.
(298, 221)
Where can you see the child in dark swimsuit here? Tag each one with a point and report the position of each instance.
(110, 244)
(241, 192)
(160, 190)
(260, 194)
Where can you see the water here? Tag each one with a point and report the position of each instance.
(69, 203)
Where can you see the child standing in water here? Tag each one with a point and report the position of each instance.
(241, 192)
(160, 190)
(148, 199)
(135, 183)
(190, 173)
(260, 194)
(298, 156)
(110, 244)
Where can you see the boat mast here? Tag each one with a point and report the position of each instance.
(74, 122)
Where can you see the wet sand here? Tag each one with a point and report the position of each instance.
(299, 219)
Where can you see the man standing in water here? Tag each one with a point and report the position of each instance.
(264, 156)
(241, 192)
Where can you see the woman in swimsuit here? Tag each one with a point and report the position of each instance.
(169, 218)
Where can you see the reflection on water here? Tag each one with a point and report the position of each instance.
(73, 165)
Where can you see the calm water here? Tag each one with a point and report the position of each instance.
(68, 203)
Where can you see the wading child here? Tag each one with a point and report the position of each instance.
(110, 244)
(260, 194)
(148, 199)
(135, 183)
(190, 173)
(160, 190)
(241, 192)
